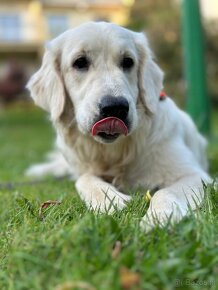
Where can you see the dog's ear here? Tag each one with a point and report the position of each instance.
(46, 86)
(150, 76)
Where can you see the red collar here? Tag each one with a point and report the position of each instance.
(163, 96)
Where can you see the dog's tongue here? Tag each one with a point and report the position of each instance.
(110, 126)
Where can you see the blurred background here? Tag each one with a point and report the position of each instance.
(26, 25)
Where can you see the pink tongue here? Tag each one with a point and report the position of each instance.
(110, 125)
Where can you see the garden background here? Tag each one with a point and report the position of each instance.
(65, 246)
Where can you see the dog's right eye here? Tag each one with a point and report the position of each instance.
(82, 63)
(127, 63)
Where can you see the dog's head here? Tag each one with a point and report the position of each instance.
(104, 71)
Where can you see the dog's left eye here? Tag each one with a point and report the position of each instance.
(127, 63)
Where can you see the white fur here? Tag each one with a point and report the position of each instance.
(163, 148)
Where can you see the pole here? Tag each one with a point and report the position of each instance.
(197, 104)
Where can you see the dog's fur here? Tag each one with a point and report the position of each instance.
(163, 148)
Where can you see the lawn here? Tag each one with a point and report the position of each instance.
(65, 246)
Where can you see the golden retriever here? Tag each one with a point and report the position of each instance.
(102, 88)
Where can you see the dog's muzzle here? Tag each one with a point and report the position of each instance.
(113, 118)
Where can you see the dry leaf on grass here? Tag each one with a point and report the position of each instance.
(116, 250)
(46, 204)
(128, 278)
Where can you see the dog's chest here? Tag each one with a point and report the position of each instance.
(127, 164)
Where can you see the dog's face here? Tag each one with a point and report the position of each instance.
(104, 70)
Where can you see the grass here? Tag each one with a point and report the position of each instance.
(68, 247)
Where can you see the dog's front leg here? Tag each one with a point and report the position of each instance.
(173, 202)
(100, 195)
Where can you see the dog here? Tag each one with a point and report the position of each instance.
(116, 130)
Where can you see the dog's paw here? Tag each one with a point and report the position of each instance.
(113, 201)
(105, 201)
(37, 170)
(161, 217)
(165, 209)
(48, 169)
(109, 202)
(100, 195)
(154, 219)
(55, 166)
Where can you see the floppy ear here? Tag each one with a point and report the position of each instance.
(46, 86)
(150, 76)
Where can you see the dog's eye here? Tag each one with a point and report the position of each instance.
(81, 63)
(127, 63)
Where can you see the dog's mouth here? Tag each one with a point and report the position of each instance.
(109, 128)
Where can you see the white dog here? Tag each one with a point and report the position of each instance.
(102, 89)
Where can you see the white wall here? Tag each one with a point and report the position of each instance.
(209, 9)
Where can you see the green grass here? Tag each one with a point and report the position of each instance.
(72, 247)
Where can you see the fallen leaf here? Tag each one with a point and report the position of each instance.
(128, 278)
(116, 250)
(49, 202)
(46, 204)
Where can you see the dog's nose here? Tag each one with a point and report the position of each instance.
(114, 107)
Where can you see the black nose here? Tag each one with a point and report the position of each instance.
(114, 107)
